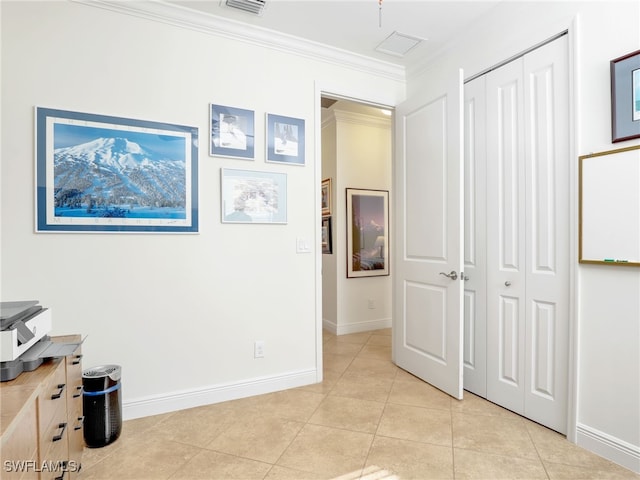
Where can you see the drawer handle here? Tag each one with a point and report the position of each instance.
(55, 396)
(63, 427)
(79, 390)
(76, 361)
(80, 423)
(64, 470)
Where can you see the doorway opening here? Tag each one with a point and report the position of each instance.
(356, 152)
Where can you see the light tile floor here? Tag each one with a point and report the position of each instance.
(368, 419)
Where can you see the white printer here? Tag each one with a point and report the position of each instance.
(24, 340)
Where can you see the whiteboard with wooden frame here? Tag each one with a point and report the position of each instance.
(609, 216)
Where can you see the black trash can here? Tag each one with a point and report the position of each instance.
(102, 405)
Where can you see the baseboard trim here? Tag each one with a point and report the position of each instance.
(358, 327)
(180, 400)
(609, 447)
(330, 326)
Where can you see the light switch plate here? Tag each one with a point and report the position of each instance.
(302, 245)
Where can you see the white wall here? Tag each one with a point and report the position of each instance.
(361, 141)
(606, 299)
(179, 313)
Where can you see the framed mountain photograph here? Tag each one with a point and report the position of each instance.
(102, 174)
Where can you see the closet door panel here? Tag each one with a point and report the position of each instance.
(547, 213)
(505, 237)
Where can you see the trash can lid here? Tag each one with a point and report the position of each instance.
(114, 372)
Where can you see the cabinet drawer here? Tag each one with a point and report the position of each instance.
(56, 434)
(53, 397)
(74, 376)
(54, 463)
(18, 446)
(76, 445)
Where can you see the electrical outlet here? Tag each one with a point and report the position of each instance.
(372, 304)
(258, 349)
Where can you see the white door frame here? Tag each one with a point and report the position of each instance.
(378, 99)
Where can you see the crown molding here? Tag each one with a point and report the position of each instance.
(344, 116)
(176, 15)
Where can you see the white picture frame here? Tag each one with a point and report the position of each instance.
(251, 196)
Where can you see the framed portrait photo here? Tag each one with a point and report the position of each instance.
(285, 140)
(367, 233)
(625, 97)
(98, 173)
(232, 132)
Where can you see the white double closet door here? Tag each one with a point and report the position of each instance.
(516, 295)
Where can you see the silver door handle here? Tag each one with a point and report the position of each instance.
(453, 275)
(507, 283)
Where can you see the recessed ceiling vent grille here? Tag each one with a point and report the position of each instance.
(398, 44)
(252, 6)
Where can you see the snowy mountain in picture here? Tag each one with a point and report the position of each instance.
(117, 177)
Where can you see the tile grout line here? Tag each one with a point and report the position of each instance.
(453, 450)
(386, 402)
(544, 466)
(306, 422)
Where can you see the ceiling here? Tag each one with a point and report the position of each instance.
(359, 26)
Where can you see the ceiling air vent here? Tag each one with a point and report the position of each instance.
(398, 44)
(251, 6)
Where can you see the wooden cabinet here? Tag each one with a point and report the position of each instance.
(42, 420)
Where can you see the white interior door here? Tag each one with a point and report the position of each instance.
(428, 231)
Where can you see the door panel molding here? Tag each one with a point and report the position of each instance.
(425, 193)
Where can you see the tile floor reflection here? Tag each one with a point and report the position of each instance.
(368, 420)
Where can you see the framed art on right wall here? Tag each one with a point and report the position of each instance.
(625, 97)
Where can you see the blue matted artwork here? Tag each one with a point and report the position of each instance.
(625, 90)
(232, 132)
(636, 95)
(97, 173)
(285, 140)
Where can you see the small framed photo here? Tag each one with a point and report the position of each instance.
(326, 236)
(367, 233)
(326, 197)
(285, 140)
(625, 97)
(103, 174)
(232, 132)
(253, 197)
